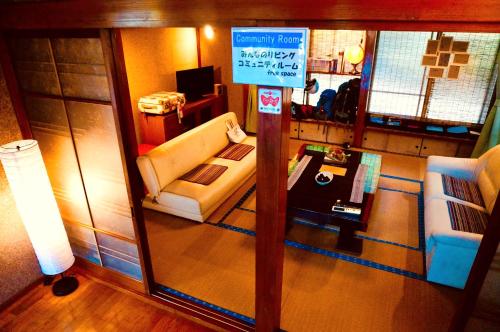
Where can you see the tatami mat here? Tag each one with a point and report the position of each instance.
(389, 182)
(394, 217)
(339, 296)
(392, 238)
(321, 291)
(210, 263)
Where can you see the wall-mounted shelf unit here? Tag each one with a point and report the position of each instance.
(321, 131)
(416, 144)
(331, 73)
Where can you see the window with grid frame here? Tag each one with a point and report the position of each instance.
(399, 82)
(327, 44)
(467, 99)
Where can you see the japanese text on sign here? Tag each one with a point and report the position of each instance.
(269, 56)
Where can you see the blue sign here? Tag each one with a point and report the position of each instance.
(270, 56)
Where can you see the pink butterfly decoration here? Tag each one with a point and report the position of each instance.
(269, 100)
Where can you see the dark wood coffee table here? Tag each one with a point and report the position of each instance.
(310, 201)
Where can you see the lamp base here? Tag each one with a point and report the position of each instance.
(65, 286)
(354, 70)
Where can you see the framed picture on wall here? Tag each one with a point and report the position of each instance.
(444, 59)
(445, 43)
(436, 72)
(429, 60)
(432, 47)
(453, 72)
(459, 46)
(460, 59)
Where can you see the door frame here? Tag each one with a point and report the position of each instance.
(475, 17)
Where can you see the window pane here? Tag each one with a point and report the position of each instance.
(395, 103)
(327, 44)
(398, 84)
(325, 81)
(467, 98)
(297, 95)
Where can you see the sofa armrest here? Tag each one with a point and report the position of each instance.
(457, 167)
(149, 176)
(457, 239)
(438, 228)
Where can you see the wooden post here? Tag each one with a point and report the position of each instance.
(272, 161)
(485, 254)
(198, 46)
(366, 78)
(114, 57)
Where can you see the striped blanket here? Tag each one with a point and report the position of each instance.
(467, 219)
(462, 189)
(204, 174)
(235, 151)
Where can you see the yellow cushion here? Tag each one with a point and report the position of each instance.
(488, 176)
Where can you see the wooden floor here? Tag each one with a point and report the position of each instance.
(94, 306)
(320, 293)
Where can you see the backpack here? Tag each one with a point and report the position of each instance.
(300, 112)
(345, 105)
(319, 113)
(325, 103)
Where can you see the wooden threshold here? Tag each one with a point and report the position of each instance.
(87, 268)
(200, 312)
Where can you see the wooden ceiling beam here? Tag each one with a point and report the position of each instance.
(463, 15)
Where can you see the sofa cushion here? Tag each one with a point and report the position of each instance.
(198, 199)
(488, 176)
(204, 174)
(235, 151)
(438, 227)
(433, 188)
(172, 159)
(462, 189)
(464, 218)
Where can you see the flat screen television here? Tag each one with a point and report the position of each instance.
(195, 83)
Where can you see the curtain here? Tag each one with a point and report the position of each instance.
(490, 135)
(251, 118)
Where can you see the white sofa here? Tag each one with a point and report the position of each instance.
(161, 167)
(450, 253)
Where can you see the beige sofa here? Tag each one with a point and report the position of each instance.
(161, 167)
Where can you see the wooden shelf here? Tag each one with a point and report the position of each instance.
(332, 73)
(420, 134)
(327, 122)
(159, 128)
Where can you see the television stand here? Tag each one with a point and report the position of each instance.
(159, 128)
(195, 109)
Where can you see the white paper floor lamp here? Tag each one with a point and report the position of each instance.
(29, 182)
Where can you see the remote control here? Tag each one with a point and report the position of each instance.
(337, 207)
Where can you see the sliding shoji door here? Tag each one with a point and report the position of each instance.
(68, 103)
